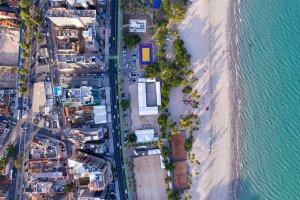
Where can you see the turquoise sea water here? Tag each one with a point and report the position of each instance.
(269, 44)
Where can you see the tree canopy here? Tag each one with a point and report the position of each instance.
(22, 81)
(162, 120)
(131, 40)
(25, 3)
(165, 152)
(69, 187)
(23, 71)
(22, 90)
(132, 138)
(152, 70)
(125, 103)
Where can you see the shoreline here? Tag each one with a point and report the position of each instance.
(233, 25)
(208, 37)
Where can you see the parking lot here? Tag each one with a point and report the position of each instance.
(130, 68)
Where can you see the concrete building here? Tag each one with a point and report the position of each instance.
(97, 146)
(90, 38)
(67, 48)
(57, 3)
(72, 18)
(149, 96)
(137, 26)
(98, 170)
(67, 34)
(80, 96)
(81, 3)
(100, 114)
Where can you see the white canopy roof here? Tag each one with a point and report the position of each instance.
(144, 136)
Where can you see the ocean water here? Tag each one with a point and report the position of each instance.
(269, 76)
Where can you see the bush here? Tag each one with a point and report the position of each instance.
(131, 40)
(125, 103)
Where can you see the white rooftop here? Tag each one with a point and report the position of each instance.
(146, 135)
(137, 26)
(100, 114)
(142, 97)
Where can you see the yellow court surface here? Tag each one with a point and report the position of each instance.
(145, 54)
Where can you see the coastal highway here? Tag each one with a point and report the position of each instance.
(113, 73)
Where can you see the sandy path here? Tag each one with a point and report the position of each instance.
(204, 33)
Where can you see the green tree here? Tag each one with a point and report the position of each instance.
(131, 40)
(22, 81)
(38, 36)
(170, 166)
(24, 13)
(187, 89)
(152, 70)
(188, 144)
(176, 11)
(172, 195)
(17, 164)
(25, 3)
(38, 17)
(132, 138)
(24, 46)
(22, 90)
(69, 187)
(165, 152)
(162, 120)
(23, 71)
(168, 180)
(10, 151)
(24, 54)
(125, 103)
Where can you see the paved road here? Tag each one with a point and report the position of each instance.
(113, 73)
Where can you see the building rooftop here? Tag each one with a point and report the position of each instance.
(97, 169)
(80, 96)
(137, 26)
(180, 174)
(71, 13)
(177, 144)
(146, 135)
(144, 108)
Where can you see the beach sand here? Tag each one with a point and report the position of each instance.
(204, 31)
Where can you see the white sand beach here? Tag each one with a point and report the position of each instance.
(204, 31)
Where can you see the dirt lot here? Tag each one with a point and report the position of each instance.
(9, 47)
(8, 77)
(150, 178)
(140, 122)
